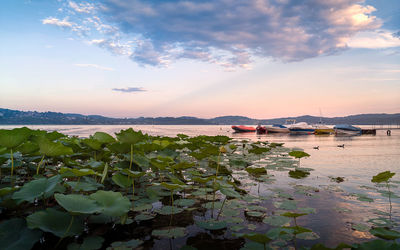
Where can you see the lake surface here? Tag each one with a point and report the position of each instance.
(337, 204)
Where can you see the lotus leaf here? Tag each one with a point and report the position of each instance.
(257, 237)
(56, 222)
(377, 244)
(184, 202)
(255, 214)
(92, 143)
(229, 192)
(211, 224)
(83, 186)
(382, 177)
(387, 234)
(89, 243)
(171, 186)
(6, 190)
(78, 172)
(125, 245)
(53, 149)
(307, 236)
(122, 180)
(293, 215)
(141, 217)
(14, 235)
(103, 137)
(118, 147)
(167, 210)
(298, 174)
(40, 188)
(13, 138)
(171, 232)
(256, 171)
(298, 154)
(28, 148)
(77, 204)
(276, 220)
(129, 136)
(112, 203)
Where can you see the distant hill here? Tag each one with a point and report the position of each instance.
(15, 117)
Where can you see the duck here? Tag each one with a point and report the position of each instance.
(341, 146)
(316, 147)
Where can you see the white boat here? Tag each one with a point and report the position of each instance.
(345, 129)
(301, 128)
(280, 128)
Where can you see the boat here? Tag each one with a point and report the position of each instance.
(243, 129)
(261, 129)
(301, 128)
(321, 129)
(277, 128)
(346, 129)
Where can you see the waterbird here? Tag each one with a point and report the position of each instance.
(341, 146)
(316, 147)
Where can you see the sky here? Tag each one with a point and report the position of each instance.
(256, 58)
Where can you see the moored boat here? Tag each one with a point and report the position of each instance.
(346, 129)
(261, 129)
(321, 129)
(301, 128)
(243, 129)
(277, 128)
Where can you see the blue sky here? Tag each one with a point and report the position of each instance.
(258, 58)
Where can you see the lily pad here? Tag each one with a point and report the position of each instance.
(14, 235)
(41, 188)
(211, 224)
(257, 237)
(382, 177)
(55, 222)
(142, 217)
(112, 203)
(167, 210)
(361, 227)
(125, 245)
(171, 232)
(76, 203)
(184, 202)
(276, 220)
(89, 243)
(387, 234)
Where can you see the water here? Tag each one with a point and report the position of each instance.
(361, 158)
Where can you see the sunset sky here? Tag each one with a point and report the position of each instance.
(257, 58)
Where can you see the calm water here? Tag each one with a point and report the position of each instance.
(361, 158)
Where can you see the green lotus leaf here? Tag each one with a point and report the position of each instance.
(387, 234)
(182, 165)
(6, 190)
(171, 186)
(298, 174)
(83, 186)
(55, 222)
(211, 224)
(103, 137)
(53, 149)
(287, 205)
(129, 136)
(298, 229)
(125, 245)
(293, 215)
(122, 180)
(120, 148)
(230, 192)
(14, 235)
(78, 172)
(184, 202)
(170, 232)
(307, 236)
(251, 245)
(257, 150)
(27, 148)
(89, 243)
(112, 203)
(298, 154)
(141, 217)
(134, 174)
(254, 214)
(382, 177)
(15, 137)
(163, 144)
(92, 143)
(77, 203)
(41, 188)
(142, 206)
(167, 210)
(257, 237)
(361, 227)
(275, 233)
(276, 220)
(377, 244)
(256, 171)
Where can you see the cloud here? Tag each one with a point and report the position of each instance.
(375, 40)
(86, 65)
(225, 32)
(58, 22)
(129, 89)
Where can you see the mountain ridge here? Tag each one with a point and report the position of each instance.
(16, 117)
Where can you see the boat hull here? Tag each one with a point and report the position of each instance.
(324, 131)
(347, 132)
(301, 131)
(243, 129)
(277, 130)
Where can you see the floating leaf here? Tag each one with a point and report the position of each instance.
(254, 214)
(76, 203)
(276, 220)
(112, 203)
(56, 222)
(184, 202)
(83, 186)
(257, 237)
(141, 217)
(298, 154)
(298, 174)
(307, 236)
(40, 188)
(211, 224)
(382, 177)
(361, 227)
(89, 243)
(125, 245)
(387, 234)
(171, 232)
(171, 186)
(256, 171)
(229, 192)
(377, 244)
(293, 215)
(14, 235)
(167, 210)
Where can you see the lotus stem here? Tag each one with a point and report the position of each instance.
(390, 202)
(215, 178)
(133, 193)
(220, 211)
(12, 163)
(172, 205)
(130, 163)
(38, 167)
